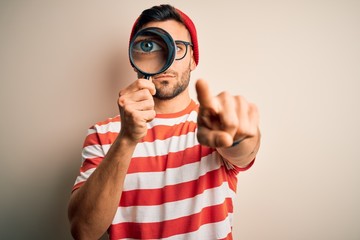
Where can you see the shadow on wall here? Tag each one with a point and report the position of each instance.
(38, 206)
(39, 182)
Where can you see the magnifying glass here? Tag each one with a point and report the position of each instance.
(152, 51)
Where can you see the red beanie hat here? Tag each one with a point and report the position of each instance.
(190, 27)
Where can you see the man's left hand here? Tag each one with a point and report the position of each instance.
(224, 119)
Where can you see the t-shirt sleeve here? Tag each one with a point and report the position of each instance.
(92, 154)
(236, 169)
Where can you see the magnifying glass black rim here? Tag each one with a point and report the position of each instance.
(169, 41)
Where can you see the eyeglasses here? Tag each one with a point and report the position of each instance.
(181, 49)
(151, 47)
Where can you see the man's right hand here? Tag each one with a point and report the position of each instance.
(92, 207)
(136, 105)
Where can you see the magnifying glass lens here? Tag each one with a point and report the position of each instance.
(152, 51)
(149, 53)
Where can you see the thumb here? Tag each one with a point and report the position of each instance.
(213, 138)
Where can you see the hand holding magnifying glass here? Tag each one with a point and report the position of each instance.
(151, 51)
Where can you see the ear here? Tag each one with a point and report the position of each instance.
(192, 63)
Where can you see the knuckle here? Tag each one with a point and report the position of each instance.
(138, 84)
(240, 131)
(129, 110)
(230, 123)
(152, 114)
(225, 94)
(201, 138)
(137, 118)
(151, 103)
(121, 92)
(233, 124)
(253, 108)
(141, 83)
(240, 99)
(145, 94)
(122, 101)
(242, 126)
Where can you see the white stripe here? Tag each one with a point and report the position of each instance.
(84, 176)
(93, 151)
(164, 147)
(185, 173)
(148, 149)
(173, 210)
(191, 117)
(106, 148)
(156, 148)
(91, 131)
(115, 126)
(109, 127)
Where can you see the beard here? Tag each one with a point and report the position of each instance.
(165, 91)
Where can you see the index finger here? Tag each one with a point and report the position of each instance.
(139, 85)
(204, 94)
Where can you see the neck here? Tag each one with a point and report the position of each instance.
(174, 105)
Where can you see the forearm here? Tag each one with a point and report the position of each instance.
(243, 153)
(92, 207)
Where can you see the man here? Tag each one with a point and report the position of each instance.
(165, 167)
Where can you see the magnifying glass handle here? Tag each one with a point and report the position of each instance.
(147, 77)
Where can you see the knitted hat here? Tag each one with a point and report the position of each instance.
(190, 27)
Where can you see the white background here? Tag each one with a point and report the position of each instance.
(62, 64)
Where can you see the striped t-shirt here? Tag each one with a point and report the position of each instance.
(174, 188)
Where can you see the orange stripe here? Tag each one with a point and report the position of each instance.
(109, 120)
(157, 163)
(78, 185)
(90, 163)
(191, 107)
(228, 237)
(171, 160)
(162, 132)
(177, 192)
(100, 138)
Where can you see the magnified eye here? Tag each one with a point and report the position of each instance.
(147, 46)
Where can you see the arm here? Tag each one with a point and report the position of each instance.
(92, 207)
(226, 119)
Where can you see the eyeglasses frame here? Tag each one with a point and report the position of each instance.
(186, 46)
